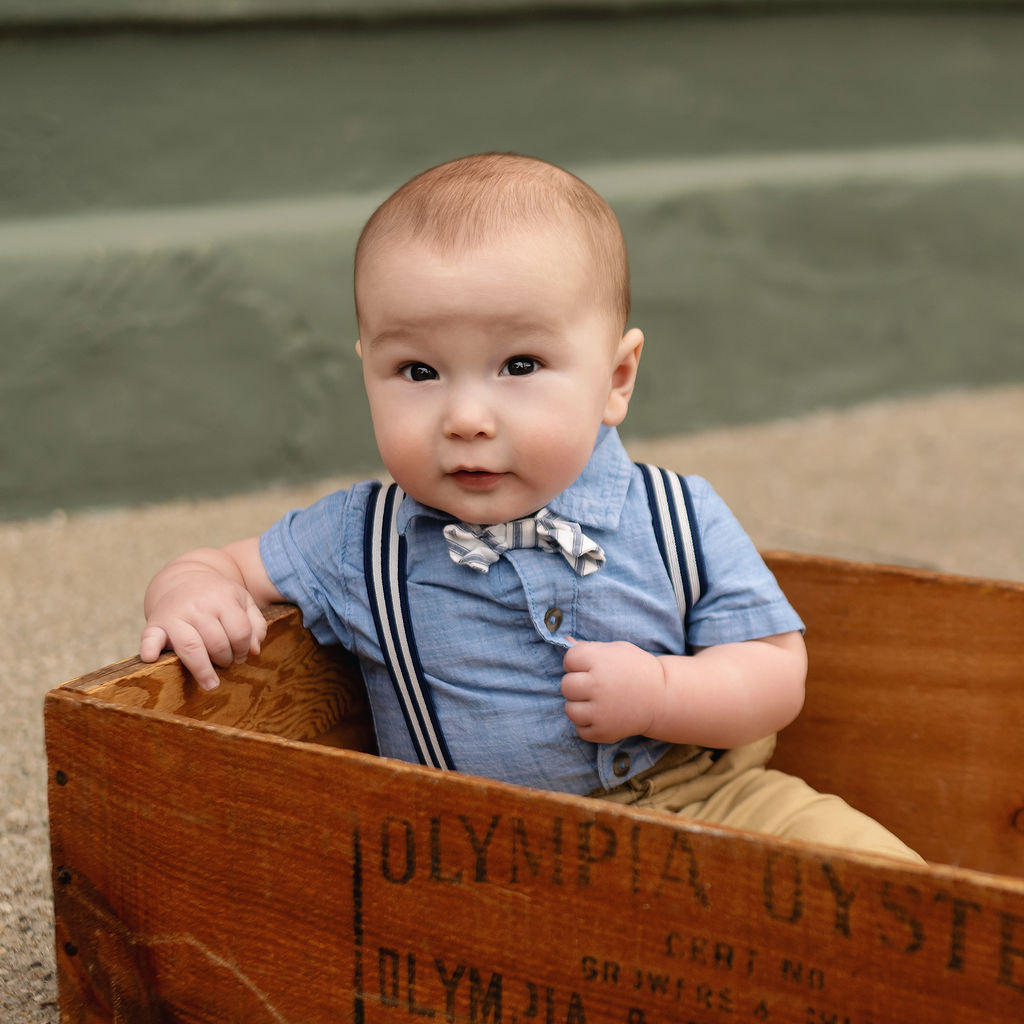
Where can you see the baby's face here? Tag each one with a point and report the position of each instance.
(489, 372)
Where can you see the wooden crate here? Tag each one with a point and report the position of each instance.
(245, 856)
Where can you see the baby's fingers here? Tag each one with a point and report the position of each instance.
(230, 637)
(580, 656)
(577, 686)
(258, 622)
(580, 713)
(208, 640)
(153, 642)
(194, 650)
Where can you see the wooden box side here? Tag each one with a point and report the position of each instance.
(914, 698)
(915, 683)
(205, 873)
(296, 689)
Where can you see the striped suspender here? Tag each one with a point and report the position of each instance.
(673, 517)
(384, 562)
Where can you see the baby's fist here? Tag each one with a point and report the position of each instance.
(611, 690)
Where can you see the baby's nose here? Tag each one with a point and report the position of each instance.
(469, 415)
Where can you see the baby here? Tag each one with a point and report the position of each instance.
(509, 598)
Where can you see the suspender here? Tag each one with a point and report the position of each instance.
(674, 527)
(384, 562)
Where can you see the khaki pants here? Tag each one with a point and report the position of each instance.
(738, 790)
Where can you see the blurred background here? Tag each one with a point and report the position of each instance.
(823, 204)
(823, 201)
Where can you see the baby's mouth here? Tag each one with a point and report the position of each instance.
(476, 479)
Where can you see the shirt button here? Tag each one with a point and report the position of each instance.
(621, 764)
(553, 619)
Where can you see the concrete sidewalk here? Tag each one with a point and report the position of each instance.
(935, 482)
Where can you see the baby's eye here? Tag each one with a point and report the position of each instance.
(520, 366)
(418, 372)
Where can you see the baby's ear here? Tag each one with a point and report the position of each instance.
(359, 348)
(624, 368)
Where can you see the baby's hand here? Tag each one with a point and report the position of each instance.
(207, 620)
(612, 690)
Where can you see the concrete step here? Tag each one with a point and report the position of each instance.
(820, 210)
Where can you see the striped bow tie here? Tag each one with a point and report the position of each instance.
(480, 547)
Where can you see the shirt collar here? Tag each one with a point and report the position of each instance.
(596, 498)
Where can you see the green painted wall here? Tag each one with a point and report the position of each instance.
(821, 208)
(65, 12)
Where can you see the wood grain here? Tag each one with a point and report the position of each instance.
(296, 689)
(206, 874)
(915, 704)
(216, 858)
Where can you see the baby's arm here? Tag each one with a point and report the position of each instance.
(206, 606)
(720, 697)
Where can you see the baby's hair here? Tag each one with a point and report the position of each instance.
(467, 202)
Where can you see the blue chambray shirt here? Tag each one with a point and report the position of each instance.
(493, 666)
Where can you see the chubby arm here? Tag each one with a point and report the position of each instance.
(206, 605)
(721, 696)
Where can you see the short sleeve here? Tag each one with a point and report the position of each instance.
(742, 599)
(311, 553)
